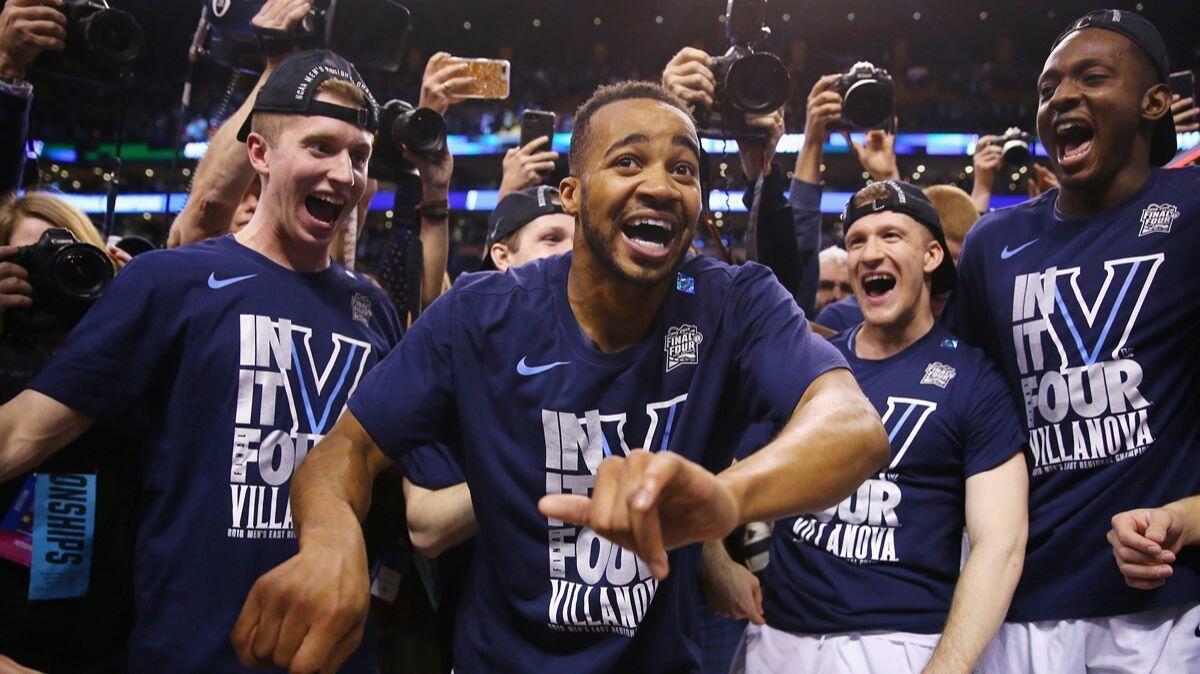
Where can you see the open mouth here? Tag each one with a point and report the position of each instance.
(877, 284)
(1073, 141)
(324, 208)
(650, 236)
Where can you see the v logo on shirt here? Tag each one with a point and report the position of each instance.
(902, 421)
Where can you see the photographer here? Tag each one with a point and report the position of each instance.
(27, 28)
(100, 618)
(778, 234)
(988, 161)
(196, 350)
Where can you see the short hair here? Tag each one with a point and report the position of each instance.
(512, 242)
(270, 124)
(612, 93)
(954, 208)
(834, 254)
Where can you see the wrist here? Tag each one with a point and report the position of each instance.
(1186, 512)
(11, 69)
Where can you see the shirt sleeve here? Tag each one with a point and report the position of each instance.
(407, 400)
(109, 360)
(777, 355)
(432, 467)
(991, 427)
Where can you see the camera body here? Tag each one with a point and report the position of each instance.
(401, 126)
(747, 81)
(371, 34)
(867, 96)
(102, 43)
(67, 277)
(1015, 145)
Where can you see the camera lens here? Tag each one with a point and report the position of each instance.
(420, 130)
(867, 104)
(81, 271)
(113, 36)
(757, 84)
(1016, 151)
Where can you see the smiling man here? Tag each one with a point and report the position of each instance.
(890, 596)
(593, 398)
(226, 361)
(1084, 297)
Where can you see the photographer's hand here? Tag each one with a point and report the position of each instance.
(824, 108)
(523, 167)
(878, 154)
(1043, 179)
(280, 15)
(27, 28)
(1183, 110)
(435, 172)
(688, 77)
(985, 164)
(439, 82)
(15, 291)
(756, 153)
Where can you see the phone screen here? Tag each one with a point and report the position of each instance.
(489, 78)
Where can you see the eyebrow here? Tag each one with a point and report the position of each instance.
(678, 140)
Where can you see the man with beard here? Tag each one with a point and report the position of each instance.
(225, 361)
(592, 397)
(1082, 296)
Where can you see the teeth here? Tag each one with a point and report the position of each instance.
(662, 224)
(876, 277)
(330, 200)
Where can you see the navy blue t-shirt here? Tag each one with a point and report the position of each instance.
(234, 367)
(887, 557)
(499, 369)
(840, 315)
(1095, 321)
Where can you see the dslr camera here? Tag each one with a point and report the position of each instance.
(867, 96)
(747, 81)
(67, 277)
(401, 126)
(1014, 145)
(102, 43)
(371, 34)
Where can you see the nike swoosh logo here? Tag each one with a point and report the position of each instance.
(1006, 253)
(526, 370)
(215, 284)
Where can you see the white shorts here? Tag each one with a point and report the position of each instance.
(765, 650)
(1162, 641)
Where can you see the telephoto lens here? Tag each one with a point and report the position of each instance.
(67, 277)
(867, 96)
(403, 127)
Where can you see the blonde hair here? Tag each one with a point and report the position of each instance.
(872, 192)
(55, 211)
(270, 124)
(954, 208)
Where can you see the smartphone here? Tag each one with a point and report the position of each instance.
(490, 78)
(534, 125)
(1184, 84)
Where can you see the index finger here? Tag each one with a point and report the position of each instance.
(647, 537)
(690, 54)
(567, 507)
(7, 252)
(1126, 527)
(822, 84)
(531, 146)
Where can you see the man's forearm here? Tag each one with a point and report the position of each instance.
(981, 600)
(435, 247)
(222, 177)
(1188, 512)
(832, 443)
(808, 161)
(439, 519)
(331, 491)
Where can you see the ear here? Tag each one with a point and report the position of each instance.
(934, 254)
(1156, 102)
(499, 255)
(256, 149)
(568, 189)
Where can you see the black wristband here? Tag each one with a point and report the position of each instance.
(273, 42)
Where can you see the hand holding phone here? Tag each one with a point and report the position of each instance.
(489, 78)
(1183, 101)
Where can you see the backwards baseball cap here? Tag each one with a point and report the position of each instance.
(902, 197)
(1142, 33)
(292, 89)
(516, 210)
